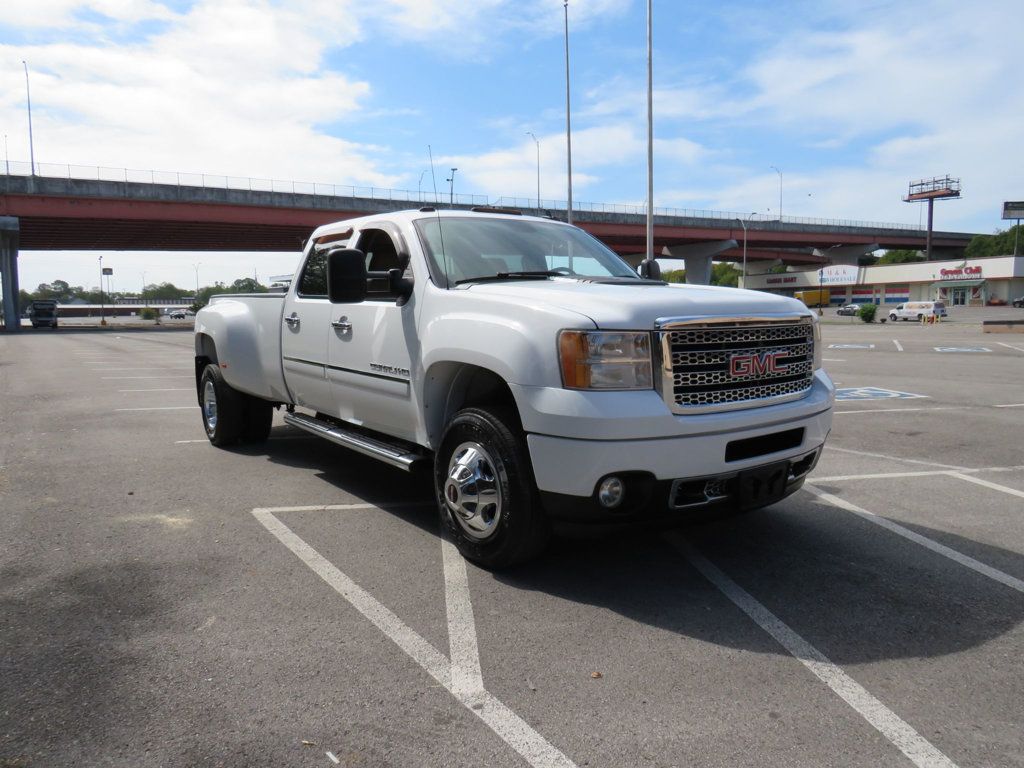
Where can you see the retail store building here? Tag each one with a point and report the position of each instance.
(974, 282)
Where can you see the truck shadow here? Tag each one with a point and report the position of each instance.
(864, 593)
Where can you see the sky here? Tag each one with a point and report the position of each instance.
(849, 101)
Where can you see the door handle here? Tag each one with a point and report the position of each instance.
(293, 321)
(341, 324)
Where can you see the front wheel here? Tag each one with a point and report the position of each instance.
(486, 494)
(223, 408)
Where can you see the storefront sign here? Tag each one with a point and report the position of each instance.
(780, 280)
(838, 274)
(961, 273)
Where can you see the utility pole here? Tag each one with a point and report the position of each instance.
(537, 142)
(568, 121)
(451, 187)
(103, 320)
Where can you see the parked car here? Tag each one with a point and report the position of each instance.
(848, 309)
(180, 314)
(1019, 301)
(915, 310)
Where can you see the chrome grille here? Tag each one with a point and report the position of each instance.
(736, 362)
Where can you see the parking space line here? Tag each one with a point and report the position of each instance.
(918, 749)
(1003, 344)
(120, 378)
(994, 486)
(467, 679)
(1010, 405)
(893, 458)
(897, 475)
(162, 408)
(165, 389)
(903, 410)
(899, 347)
(924, 541)
(512, 729)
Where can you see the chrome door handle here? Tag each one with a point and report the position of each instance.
(293, 321)
(341, 325)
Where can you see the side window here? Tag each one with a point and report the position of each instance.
(313, 283)
(381, 254)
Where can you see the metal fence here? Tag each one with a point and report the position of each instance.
(245, 183)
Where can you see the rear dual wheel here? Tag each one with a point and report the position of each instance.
(230, 416)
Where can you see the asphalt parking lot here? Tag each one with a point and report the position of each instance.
(167, 603)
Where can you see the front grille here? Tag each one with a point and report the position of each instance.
(717, 365)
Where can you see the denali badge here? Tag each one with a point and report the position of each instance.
(742, 366)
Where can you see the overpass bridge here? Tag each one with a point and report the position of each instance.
(206, 213)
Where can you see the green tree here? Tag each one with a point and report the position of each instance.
(241, 285)
(900, 256)
(725, 273)
(247, 285)
(998, 244)
(674, 276)
(163, 291)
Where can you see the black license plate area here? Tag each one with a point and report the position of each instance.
(762, 486)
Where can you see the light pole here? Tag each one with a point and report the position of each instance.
(780, 190)
(451, 187)
(419, 186)
(31, 144)
(144, 298)
(196, 267)
(103, 320)
(743, 223)
(568, 121)
(537, 142)
(7, 158)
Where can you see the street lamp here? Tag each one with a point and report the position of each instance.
(780, 190)
(743, 223)
(451, 187)
(196, 267)
(144, 298)
(31, 145)
(535, 141)
(103, 320)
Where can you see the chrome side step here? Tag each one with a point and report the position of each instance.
(403, 457)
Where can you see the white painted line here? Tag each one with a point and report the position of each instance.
(166, 389)
(987, 484)
(182, 442)
(516, 732)
(899, 347)
(121, 378)
(905, 410)
(832, 360)
(897, 475)
(893, 458)
(924, 541)
(467, 679)
(1011, 405)
(1002, 344)
(918, 749)
(332, 758)
(164, 408)
(148, 368)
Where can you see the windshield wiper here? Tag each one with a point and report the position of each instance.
(526, 274)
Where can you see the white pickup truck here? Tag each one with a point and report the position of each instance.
(545, 382)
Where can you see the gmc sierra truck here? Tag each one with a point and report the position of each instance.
(541, 378)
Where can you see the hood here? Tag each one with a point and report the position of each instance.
(626, 306)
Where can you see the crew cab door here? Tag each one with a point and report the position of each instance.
(373, 343)
(306, 324)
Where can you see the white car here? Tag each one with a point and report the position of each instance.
(915, 310)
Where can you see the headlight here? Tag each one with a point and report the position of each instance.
(605, 359)
(817, 343)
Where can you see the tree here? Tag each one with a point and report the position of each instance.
(998, 244)
(247, 285)
(900, 256)
(725, 273)
(163, 291)
(241, 285)
(674, 276)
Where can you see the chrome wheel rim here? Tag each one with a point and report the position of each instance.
(472, 492)
(210, 406)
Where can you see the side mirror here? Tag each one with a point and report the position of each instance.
(346, 276)
(650, 269)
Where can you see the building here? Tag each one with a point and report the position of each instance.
(973, 282)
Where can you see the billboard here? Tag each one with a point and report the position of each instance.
(1013, 210)
(838, 274)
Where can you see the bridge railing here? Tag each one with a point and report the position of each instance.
(245, 183)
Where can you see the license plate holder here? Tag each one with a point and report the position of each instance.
(762, 486)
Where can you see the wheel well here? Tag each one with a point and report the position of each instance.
(450, 387)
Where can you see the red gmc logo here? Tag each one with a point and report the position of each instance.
(756, 365)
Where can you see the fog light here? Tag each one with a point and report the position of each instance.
(610, 492)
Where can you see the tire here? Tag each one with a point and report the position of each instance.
(919, 318)
(258, 416)
(483, 454)
(893, 318)
(222, 408)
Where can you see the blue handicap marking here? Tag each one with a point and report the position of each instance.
(851, 346)
(962, 349)
(874, 393)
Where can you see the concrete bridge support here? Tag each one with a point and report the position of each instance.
(9, 272)
(698, 258)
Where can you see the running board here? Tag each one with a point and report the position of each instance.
(396, 455)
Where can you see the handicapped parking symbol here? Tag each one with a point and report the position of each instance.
(874, 393)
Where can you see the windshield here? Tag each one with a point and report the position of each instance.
(476, 247)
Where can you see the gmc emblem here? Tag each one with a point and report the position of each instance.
(742, 366)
